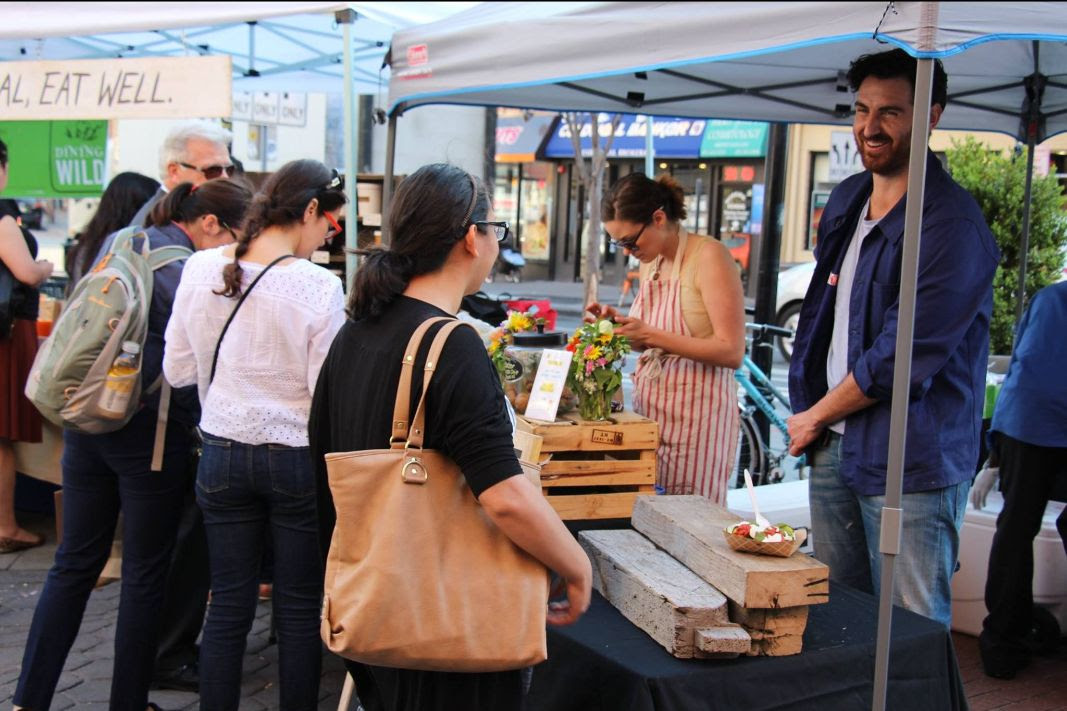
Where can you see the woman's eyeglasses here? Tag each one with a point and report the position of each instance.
(631, 242)
(502, 229)
(336, 228)
(212, 172)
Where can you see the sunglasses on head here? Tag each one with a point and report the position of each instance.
(337, 181)
(212, 171)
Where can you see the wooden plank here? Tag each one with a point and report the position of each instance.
(624, 431)
(647, 479)
(765, 623)
(690, 528)
(570, 467)
(719, 642)
(660, 595)
(782, 646)
(599, 505)
(528, 445)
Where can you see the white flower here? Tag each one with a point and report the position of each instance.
(606, 328)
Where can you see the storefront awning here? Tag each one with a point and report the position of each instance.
(672, 137)
(518, 139)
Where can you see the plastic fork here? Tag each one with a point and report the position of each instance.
(760, 520)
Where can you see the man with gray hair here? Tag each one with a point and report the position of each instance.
(193, 152)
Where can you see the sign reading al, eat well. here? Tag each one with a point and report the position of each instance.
(151, 87)
(55, 158)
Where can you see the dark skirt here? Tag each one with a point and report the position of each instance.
(384, 689)
(19, 420)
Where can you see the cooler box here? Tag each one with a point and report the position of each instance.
(976, 538)
(786, 502)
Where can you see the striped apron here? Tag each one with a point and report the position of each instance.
(694, 403)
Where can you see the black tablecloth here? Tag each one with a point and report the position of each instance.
(605, 663)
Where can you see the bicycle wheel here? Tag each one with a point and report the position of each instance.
(749, 453)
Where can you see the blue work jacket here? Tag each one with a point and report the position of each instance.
(954, 301)
(1032, 406)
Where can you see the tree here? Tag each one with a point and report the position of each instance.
(591, 175)
(997, 181)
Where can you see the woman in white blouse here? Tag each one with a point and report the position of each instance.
(255, 474)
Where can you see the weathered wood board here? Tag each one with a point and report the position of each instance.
(661, 596)
(774, 632)
(690, 529)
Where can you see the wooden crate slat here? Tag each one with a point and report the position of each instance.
(643, 479)
(568, 467)
(595, 506)
(624, 431)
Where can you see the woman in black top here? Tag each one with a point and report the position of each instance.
(19, 421)
(444, 242)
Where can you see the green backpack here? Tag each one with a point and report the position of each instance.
(109, 305)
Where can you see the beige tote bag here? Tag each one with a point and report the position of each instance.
(417, 576)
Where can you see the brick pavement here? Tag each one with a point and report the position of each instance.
(86, 679)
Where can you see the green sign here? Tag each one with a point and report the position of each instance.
(734, 139)
(55, 159)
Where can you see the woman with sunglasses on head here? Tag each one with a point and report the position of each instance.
(688, 319)
(444, 240)
(256, 381)
(107, 472)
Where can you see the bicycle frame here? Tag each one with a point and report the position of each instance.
(744, 376)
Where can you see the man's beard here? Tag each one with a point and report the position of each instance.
(888, 163)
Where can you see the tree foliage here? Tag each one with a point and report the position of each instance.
(997, 181)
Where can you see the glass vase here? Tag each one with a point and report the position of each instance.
(595, 405)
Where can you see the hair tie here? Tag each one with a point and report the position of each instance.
(474, 200)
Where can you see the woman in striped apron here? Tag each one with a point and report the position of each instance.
(688, 321)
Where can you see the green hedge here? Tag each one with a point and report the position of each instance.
(997, 181)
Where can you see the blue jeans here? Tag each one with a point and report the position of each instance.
(846, 528)
(101, 474)
(246, 491)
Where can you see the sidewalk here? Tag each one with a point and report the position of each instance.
(86, 679)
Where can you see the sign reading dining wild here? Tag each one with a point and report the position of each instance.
(152, 87)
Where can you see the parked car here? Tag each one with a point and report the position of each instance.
(792, 286)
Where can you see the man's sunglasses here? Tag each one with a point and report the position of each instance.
(212, 171)
(502, 229)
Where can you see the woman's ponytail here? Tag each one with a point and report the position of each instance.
(383, 275)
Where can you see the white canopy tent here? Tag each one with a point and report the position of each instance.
(778, 61)
(274, 46)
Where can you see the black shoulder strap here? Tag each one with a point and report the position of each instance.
(218, 345)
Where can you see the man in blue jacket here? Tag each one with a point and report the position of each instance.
(841, 373)
(1030, 433)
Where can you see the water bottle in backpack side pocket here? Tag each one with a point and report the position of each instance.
(121, 378)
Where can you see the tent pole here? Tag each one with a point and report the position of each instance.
(892, 511)
(1035, 87)
(387, 183)
(1024, 246)
(650, 149)
(346, 18)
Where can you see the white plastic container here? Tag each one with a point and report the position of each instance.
(779, 503)
(369, 198)
(976, 538)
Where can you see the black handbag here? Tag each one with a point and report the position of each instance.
(492, 310)
(8, 284)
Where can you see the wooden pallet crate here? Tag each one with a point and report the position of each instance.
(596, 470)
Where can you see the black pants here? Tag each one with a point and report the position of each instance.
(188, 582)
(1029, 477)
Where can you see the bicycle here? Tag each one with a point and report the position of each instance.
(766, 464)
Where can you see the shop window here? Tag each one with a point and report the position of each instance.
(535, 205)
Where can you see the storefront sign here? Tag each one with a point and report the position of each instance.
(55, 158)
(734, 139)
(518, 139)
(671, 137)
(152, 87)
(844, 156)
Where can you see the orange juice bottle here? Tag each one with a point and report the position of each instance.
(121, 377)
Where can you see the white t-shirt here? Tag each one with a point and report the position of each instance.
(837, 358)
(271, 355)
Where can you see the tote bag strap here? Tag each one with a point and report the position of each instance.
(402, 408)
(418, 424)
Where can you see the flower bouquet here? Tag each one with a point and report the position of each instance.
(596, 368)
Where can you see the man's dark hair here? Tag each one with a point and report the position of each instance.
(897, 64)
